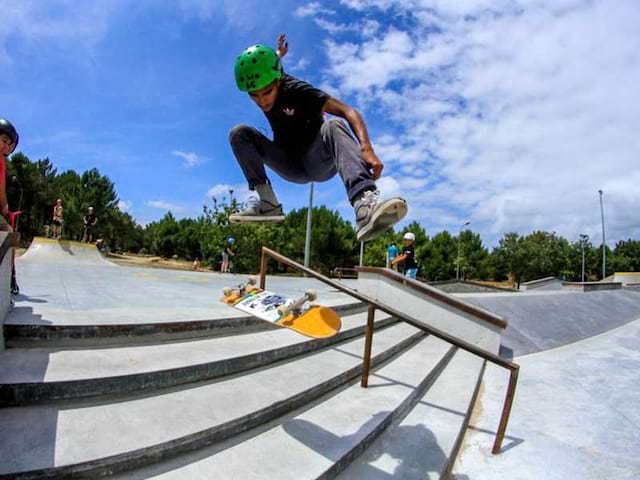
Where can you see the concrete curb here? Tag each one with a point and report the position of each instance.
(156, 453)
(19, 394)
(81, 336)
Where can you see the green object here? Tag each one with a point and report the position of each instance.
(257, 67)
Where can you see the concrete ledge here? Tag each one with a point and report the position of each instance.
(83, 336)
(291, 346)
(591, 286)
(449, 314)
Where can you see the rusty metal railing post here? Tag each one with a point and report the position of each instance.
(371, 313)
(263, 269)
(506, 410)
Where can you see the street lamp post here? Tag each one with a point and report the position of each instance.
(583, 241)
(307, 240)
(459, 245)
(604, 251)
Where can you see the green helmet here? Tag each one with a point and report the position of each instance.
(257, 67)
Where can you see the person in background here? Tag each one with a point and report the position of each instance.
(90, 221)
(196, 265)
(8, 142)
(58, 220)
(227, 256)
(408, 257)
(392, 253)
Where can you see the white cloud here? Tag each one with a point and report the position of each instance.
(512, 114)
(240, 191)
(33, 21)
(162, 205)
(312, 9)
(190, 158)
(125, 206)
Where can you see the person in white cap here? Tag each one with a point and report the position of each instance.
(408, 257)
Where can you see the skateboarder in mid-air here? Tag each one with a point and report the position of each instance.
(305, 147)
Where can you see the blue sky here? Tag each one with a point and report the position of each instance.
(508, 114)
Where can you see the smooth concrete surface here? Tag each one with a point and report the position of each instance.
(539, 321)
(626, 277)
(575, 415)
(58, 288)
(547, 283)
(312, 442)
(63, 435)
(592, 286)
(444, 317)
(421, 445)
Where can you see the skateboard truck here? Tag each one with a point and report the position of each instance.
(296, 307)
(240, 289)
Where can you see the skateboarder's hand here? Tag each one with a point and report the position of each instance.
(283, 46)
(373, 162)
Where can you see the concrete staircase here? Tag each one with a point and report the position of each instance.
(264, 404)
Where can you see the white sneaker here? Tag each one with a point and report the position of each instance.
(375, 217)
(258, 211)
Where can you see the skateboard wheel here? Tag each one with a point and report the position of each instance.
(226, 291)
(311, 295)
(283, 310)
(252, 280)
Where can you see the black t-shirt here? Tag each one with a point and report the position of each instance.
(296, 116)
(410, 260)
(90, 219)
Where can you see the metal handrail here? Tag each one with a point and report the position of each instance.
(375, 304)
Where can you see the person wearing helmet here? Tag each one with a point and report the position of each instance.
(8, 143)
(305, 148)
(90, 221)
(408, 257)
(227, 256)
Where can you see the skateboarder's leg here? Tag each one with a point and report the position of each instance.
(337, 146)
(253, 150)
(339, 152)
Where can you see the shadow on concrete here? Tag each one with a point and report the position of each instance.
(412, 458)
(66, 247)
(28, 435)
(25, 298)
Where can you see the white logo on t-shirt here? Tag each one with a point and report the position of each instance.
(289, 111)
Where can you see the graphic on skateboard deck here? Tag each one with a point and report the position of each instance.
(300, 314)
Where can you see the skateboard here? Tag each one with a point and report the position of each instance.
(233, 295)
(299, 315)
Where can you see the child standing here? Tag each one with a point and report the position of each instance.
(57, 219)
(227, 256)
(392, 253)
(408, 257)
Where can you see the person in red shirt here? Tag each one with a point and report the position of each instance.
(8, 143)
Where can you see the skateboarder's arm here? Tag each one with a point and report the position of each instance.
(356, 122)
(283, 46)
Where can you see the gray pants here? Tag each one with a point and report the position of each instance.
(333, 151)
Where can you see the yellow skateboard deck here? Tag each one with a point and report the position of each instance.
(299, 315)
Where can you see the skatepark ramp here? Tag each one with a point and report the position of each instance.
(269, 403)
(46, 250)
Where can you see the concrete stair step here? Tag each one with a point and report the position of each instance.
(39, 375)
(425, 443)
(321, 439)
(45, 335)
(93, 439)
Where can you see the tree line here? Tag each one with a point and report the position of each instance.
(34, 186)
